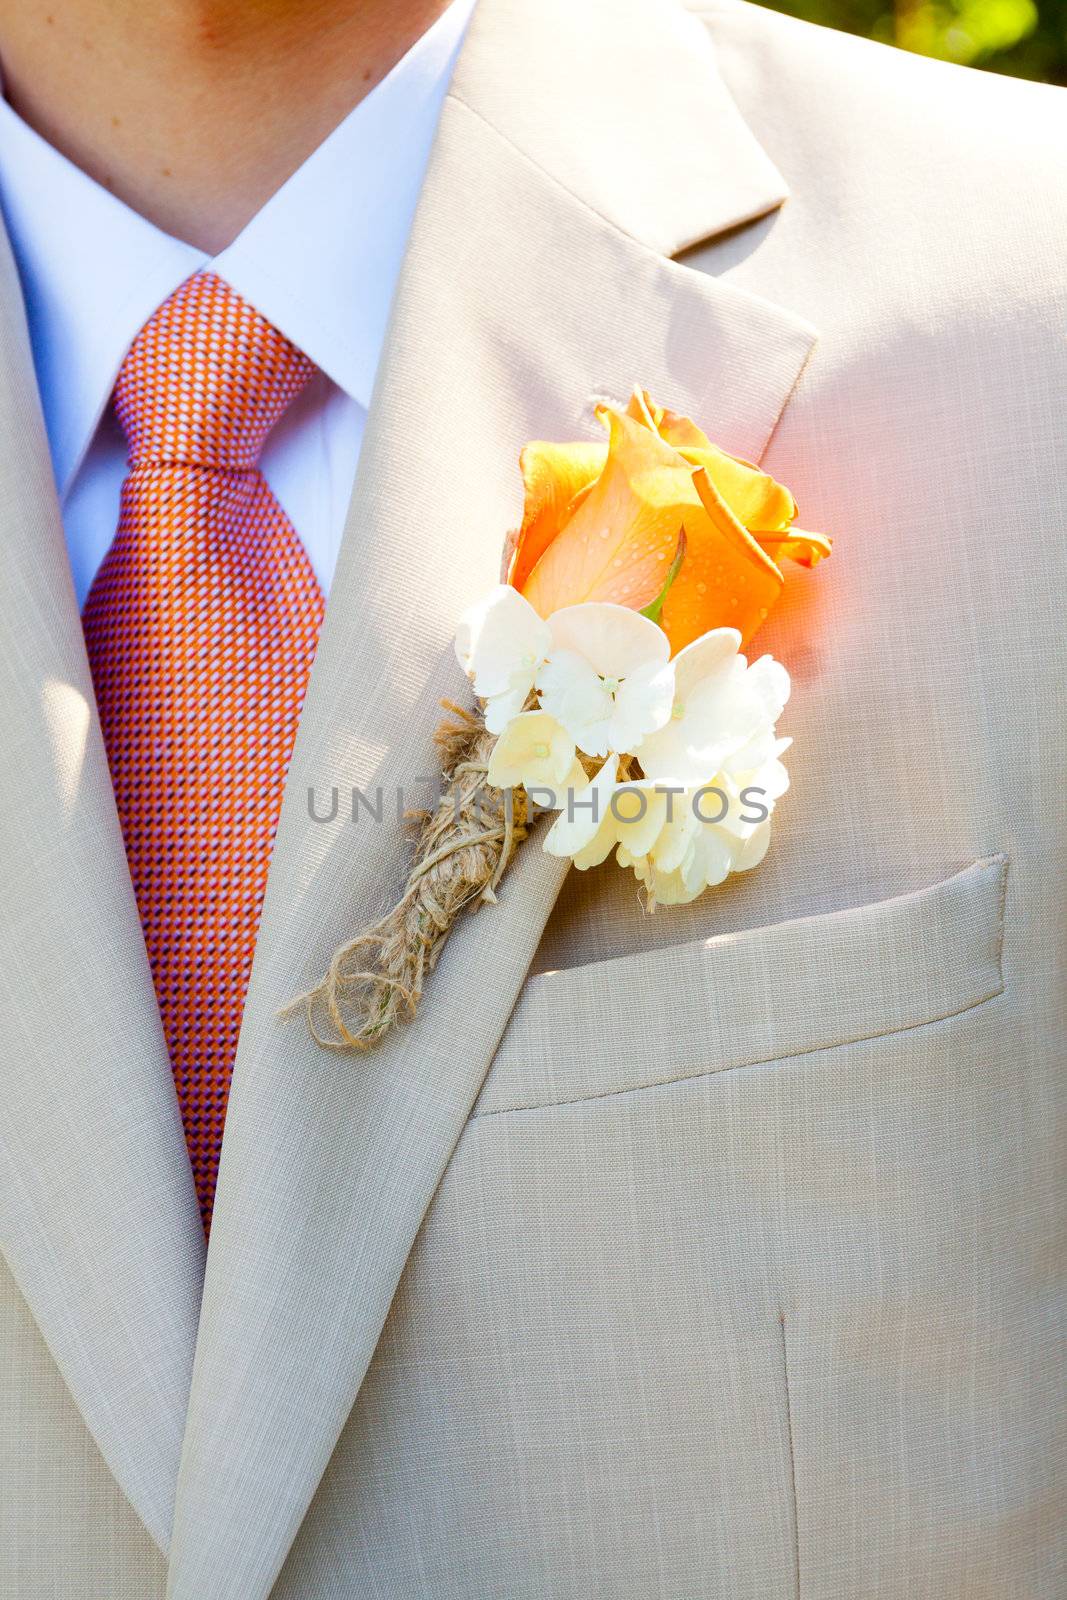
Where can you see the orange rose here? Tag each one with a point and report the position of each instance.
(603, 522)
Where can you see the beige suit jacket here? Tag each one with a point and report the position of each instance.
(711, 1253)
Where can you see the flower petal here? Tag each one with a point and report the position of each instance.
(613, 639)
(500, 709)
(770, 681)
(712, 652)
(754, 497)
(678, 751)
(575, 694)
(532, 750)
(619, 543)
(664, 888)
(755, 848)
(585, 815)
(553, 475)
(712, 857)
(643, 703)
(793, 544)
(676, 836)
(726, 579)
(610, 534)
(501, 642)
(715, 716)
(638, 813)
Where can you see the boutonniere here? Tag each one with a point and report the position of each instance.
(610, 689)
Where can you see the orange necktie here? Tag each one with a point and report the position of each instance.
(201, 627)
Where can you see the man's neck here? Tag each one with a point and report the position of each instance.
(195, 111)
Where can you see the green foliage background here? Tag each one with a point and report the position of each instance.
(1027, 38)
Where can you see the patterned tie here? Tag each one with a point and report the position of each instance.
(201, 627)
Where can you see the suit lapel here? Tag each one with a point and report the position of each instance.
(523, 300)
(98, 1218)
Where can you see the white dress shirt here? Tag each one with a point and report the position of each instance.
(319, 261)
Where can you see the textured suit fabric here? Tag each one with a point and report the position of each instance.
(716, 1253)
(66, 1528)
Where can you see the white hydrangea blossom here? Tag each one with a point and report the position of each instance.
(501, 643)
(694, 737)
(535, 751)
(606, 813)
(607, 677)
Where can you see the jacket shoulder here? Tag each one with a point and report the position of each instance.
(951, 114)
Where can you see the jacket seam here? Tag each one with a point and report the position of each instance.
(791, 1446)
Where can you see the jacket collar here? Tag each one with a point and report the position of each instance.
(622, 106)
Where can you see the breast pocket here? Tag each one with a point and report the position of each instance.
(757, 997)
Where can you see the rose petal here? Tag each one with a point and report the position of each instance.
(754, 497)
(553, 475)
(793, 544)
(725, 579)
(621, 539)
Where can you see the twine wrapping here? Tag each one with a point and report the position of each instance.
(462, 851)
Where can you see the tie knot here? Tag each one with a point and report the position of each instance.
(206, 379)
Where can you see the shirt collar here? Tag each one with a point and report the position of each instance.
(320, 260)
